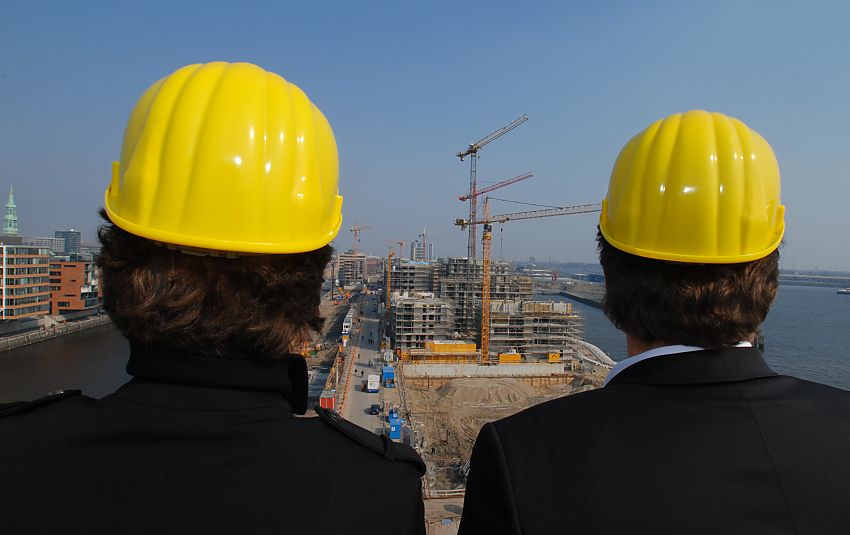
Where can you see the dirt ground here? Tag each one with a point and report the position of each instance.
(447, 419)
(329, 337)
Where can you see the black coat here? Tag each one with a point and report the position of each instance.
(704, 442)
(200, 445)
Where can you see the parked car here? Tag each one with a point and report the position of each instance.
(374, 408)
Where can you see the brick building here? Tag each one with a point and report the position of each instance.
(73, 285)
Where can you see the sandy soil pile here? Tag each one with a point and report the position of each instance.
(451, 416)
(470, 391)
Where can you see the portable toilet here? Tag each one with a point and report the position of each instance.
(395, 427)
(392, 414)
(388, 377)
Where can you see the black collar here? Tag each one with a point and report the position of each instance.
(279, 376)
(697, 367)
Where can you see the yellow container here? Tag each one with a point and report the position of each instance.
(510, 358)
(445, 346)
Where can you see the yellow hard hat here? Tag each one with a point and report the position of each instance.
(696, 187)
(229, 157)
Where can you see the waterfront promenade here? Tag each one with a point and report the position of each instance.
(16, 340)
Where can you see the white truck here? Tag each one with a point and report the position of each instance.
(373, 382)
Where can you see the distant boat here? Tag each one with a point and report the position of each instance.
(844, 291)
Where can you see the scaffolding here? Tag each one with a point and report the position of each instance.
(411, 276)
(535, 329)
(417, 319)
(456, 281)
(352, 268)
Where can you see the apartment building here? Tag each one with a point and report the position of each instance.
(351, 268)
(411, 276)
(57, 245)
(74, 284)
(419, 318)
(26, 287)
(536, 329)
(459, 281)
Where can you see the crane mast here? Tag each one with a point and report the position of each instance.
(486, 236)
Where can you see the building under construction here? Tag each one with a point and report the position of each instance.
(537, 330)
(351, 268)
(441, 300)
(412, 276)
(419, 318)
(459, 280)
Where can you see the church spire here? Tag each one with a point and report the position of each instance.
(10, 220)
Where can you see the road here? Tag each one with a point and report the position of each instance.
(366, 349)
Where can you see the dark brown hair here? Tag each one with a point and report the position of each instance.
(706, 305)
(236, 307)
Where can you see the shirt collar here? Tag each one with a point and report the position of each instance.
(656, 352)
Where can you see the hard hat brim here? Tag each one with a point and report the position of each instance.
(690, 258)
(227, 245)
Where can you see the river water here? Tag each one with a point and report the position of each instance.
(806, 333)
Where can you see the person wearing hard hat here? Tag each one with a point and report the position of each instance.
(693, 432)
(219, 217)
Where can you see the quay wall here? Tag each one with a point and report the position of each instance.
(585, 300)
(30, 337)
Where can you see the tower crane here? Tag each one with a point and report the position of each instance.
(472, 152)
(531, 214)
(487, 221)
(401, 245)
(356, 231)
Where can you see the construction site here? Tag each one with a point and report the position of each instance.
(450, 386)
(469, 340)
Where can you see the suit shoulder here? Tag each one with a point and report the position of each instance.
(53, 399)
(380, 444)
(818, 388)
(570, 402)
(568, 408)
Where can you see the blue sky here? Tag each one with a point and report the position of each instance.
(406, 86)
